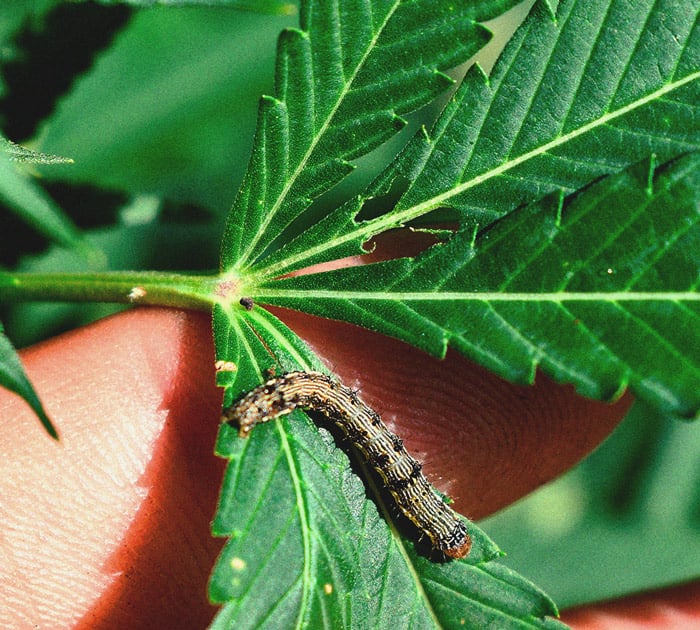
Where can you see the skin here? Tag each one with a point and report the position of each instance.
(109, 527)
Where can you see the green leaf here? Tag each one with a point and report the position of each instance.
(14, 378)
(33, 204)
(602, 293)
(541, 302)
(18, 153)
(608, 84)
(343, 84)
(13, 16)
(168, 108)
(639, 485)
(306, 545)
(552, 7)
(279, 7)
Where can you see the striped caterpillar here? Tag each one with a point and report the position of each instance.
(383, 450)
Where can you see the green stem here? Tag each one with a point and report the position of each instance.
(128, 287)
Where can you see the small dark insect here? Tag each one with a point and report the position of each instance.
(383, 450)
(247, 303)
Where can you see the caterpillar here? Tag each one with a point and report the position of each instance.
(383, 450)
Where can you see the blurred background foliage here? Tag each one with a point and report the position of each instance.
(626, 519)
(157, 108)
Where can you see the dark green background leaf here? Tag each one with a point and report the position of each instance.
(34, 206)
(167, 110)
(625, 520)
(279, 7)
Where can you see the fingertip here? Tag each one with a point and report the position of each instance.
(113, 519)
(663, 609)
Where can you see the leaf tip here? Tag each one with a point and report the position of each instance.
(51, 430)
(445, 78)
(45, 420)
(551, 8)
(398, 122)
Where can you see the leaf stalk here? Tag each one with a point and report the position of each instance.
(124, 287)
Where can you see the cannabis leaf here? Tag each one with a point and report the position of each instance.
(343, 83)
(31, 202)
(548, 286)
(596, 118)
(14, 378)
(546, 269)
(306, 547)
(607, 85)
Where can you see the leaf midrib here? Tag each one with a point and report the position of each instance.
(482, 296)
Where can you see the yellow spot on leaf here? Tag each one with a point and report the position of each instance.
(238, 564)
